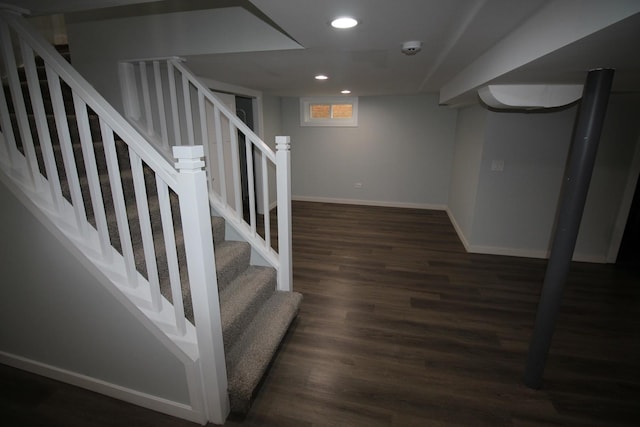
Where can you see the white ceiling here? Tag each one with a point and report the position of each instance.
(368, 59)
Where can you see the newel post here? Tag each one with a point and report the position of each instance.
(198, 242)
(283, 182)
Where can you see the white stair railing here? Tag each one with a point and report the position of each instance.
(77, 180)
(171, 107)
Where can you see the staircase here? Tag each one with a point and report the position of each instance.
(254, 315)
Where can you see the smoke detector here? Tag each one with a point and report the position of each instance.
(411, 47)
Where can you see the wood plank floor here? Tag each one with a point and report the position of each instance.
(400, 327)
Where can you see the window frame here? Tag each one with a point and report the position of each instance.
(307, 120)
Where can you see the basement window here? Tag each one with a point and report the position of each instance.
(334, 111)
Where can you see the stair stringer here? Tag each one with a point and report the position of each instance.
(137, 301)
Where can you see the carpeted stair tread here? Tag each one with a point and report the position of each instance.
(232, 258)
(242, 298)
(249, 358)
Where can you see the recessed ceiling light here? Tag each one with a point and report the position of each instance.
(345, 92)
(321, 77)
(344, 22)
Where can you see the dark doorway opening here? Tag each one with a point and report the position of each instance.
(244, 111)
(629, 252)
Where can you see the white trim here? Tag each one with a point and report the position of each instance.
(369, 203)
(219, 86)
(524, 253)
(116, 391)
(458, 229)
(497, 250)
(533, 253)
(594, 259)
(307, 120)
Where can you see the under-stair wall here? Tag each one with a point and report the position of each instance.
(59, 321)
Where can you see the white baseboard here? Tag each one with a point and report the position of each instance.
(515, 252)
(458, 229)
(497, 250)
(176, 409)
(369, 203)
(531, 253)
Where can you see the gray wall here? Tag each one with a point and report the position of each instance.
(515, 208)
(53, 311)
(401, 152)
(469, 142)
(513, 212)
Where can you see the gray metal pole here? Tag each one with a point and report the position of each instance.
(582, 156)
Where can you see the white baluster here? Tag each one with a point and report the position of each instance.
(265, 202)
(220, 144)
(64, 139)
(172, 254)
(44, 135)
(198, 241)
(146, 98)
(204, 131)
(18, 104)
(235, 165)
(142, 203)
(173, 97)
(250, 185)
(7, 129)
(162, 113)
(283, 182)
(186, 95)
(93, 179)
(119, 204)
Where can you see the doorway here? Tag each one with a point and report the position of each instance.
(629, 252)
(244, 111)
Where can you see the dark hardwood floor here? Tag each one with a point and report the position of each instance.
(400, 327)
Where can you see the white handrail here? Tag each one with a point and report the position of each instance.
(255, 139)
(94, 100)
(196, 116)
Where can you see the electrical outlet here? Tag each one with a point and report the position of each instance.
(497, 165)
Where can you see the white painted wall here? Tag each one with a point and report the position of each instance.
(556, 24)
(469, 143)
(515, 209)
(401, 152)
(513, 212)
(96, 46)
(54, 312)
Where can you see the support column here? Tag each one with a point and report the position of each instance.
(582, 155)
